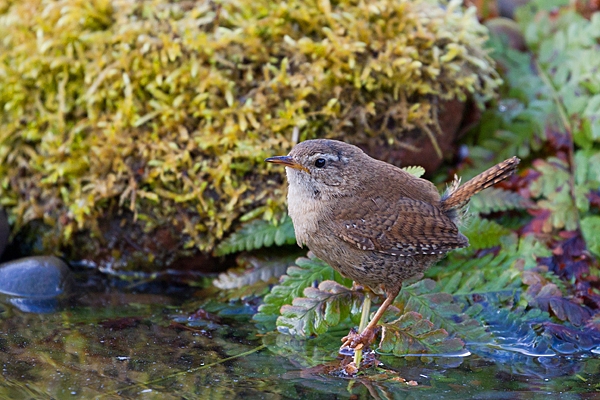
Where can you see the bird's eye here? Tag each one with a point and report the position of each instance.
(320, 162)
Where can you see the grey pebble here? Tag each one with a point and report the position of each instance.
(35, 277)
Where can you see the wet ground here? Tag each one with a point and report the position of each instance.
(148, 341)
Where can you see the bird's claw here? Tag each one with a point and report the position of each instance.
(355, 341)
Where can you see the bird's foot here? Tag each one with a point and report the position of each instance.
(356, 341)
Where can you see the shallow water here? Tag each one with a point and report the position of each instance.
(141, 345)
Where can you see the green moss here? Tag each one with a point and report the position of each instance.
(168, 109)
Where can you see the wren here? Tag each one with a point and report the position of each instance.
(372, 221)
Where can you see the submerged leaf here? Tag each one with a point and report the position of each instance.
(531, 332)
(514, 329)
(442, 310)
(412, 334)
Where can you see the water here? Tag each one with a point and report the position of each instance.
(145, 345)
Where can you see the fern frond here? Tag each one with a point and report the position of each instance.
(306, 273)
(496, 199)
(590, 226)
(486, 282)
(484, 233)
(257, 234)
(260, 270)
(322, 307)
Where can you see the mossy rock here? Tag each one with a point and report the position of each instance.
(157, 116)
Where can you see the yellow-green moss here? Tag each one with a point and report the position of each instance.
(168, 109)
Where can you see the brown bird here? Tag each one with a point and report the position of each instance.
(371, 221)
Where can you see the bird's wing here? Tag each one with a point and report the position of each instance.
(406, 227)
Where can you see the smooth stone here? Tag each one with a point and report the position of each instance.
(38, 277)
(4, 230)
(509, 30)
(506, 8)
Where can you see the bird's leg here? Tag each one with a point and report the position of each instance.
(368, 334)
(364, 319)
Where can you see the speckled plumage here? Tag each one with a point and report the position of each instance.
(371, 221)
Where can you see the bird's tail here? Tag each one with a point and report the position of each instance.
(457, 195)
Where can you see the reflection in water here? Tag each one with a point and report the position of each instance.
(151, 345)
(40, 306)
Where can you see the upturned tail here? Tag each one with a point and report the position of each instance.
(457, 196)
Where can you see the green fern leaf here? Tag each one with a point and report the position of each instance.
(481, 283)
(587, 172)
(552, 190)
(457, 267)
(590, 228)
(461, 273)
(412, 334)
(415, 170)
(496, 199)
(554, 176)
(306, 273)
(320, 309)
(528, 250)
(257, 234)
(484, 233)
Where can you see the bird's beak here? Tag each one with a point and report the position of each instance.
(288, 162)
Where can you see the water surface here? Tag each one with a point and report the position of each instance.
(150, 345)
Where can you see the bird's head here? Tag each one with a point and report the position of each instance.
(323, 168)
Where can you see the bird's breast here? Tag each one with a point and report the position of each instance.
(305, 211)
